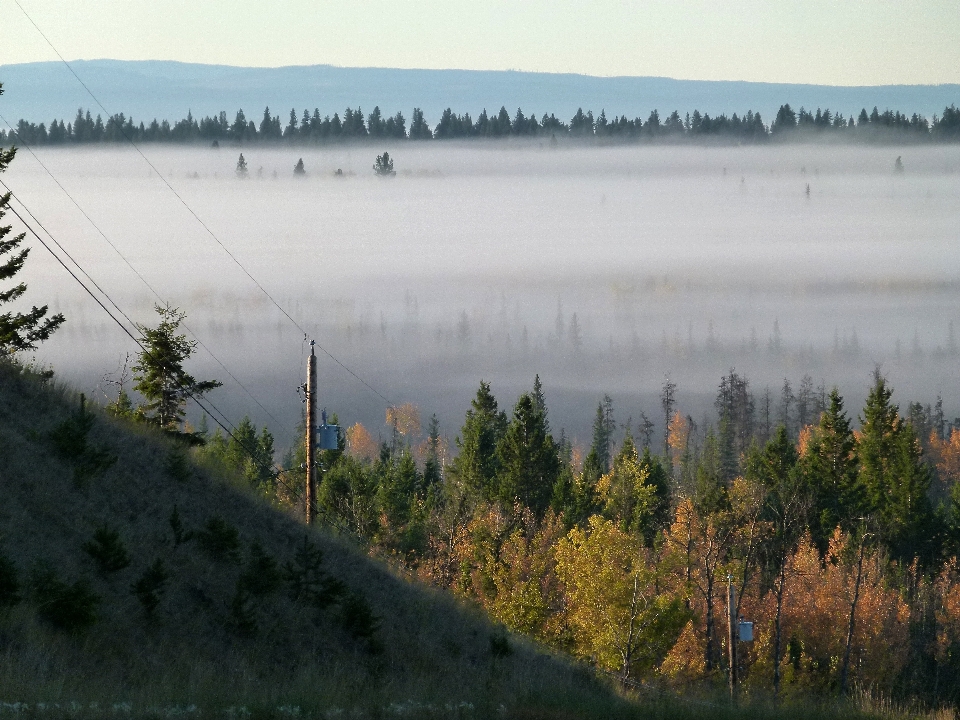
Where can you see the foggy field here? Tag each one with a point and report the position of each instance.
(473, 260)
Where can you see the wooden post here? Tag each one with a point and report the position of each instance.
(311, 489)
(733, 634)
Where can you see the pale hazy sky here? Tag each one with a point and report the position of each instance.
(835, 42)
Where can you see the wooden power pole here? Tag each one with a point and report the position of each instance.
(733, 633)
(311, 489)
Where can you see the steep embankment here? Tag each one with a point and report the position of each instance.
(242, 617)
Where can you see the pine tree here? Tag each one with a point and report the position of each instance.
(159, 372)
(829, 468)
(894, 478)
(477, 465)
(529, 460)
(18, 331)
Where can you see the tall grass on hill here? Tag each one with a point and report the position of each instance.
(187, 647)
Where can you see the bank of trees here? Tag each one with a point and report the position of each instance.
(839, 532)
(355, 125)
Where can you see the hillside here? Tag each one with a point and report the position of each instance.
(226, 631)
(40, 92)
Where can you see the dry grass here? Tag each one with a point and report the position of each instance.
(436, 652)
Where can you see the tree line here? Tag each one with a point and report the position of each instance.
(354, 125)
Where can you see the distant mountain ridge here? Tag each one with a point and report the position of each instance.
(144, 90)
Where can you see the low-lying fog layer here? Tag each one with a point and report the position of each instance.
(474, 260)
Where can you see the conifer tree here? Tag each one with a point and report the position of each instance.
(477, 465)
(530, 463)
(159, 372)
(18, 331)
(829, 468)
(894, 478)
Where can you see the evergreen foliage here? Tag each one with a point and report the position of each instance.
(71, 607)
(477, 465)
(220, 539)
(9, 582)
(177, 464)
(243, 617)
(19, 332)
(160, 375)
(70, 442)
(383, 166)
(528, 458)
(180, 535)
(262, 575)
(107, 550)
(308, 582)
(150, 587)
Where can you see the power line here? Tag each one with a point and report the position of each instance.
(194, 214)
(129, 265)
(276, 472)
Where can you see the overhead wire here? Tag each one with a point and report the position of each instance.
(197, 217)
(132, 268)
(206, 405)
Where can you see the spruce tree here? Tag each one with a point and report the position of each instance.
(530, 463)
(476, 466)
(894, 477)
(18, 331)
(159, 372)
(829, 468)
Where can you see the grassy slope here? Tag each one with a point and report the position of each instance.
(435, 651)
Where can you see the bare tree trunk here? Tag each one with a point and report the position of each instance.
(778, 632)
(844, 672)
(708, 658)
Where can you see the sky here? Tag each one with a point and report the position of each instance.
(829, 42)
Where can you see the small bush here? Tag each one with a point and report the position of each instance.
(107, 550)
(358, 619)
(72, 608)
(177, 464)
(243, 618)
(220, 539)
(180, 535)
(309, 583)
(151, 586)
(261, 576)
(70, 437)
(70, 443)
(9, 583)
(500, 646)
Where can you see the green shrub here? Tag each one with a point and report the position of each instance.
(151, 586)
(243, 618)
(500, 646)
(9, 582)
(220, 539)
(70, 443)
(70, 437)
(177, 464)
(308, 582)
(261, 576)
(180, 535)
(358, 619)
(107, 550)
(72, 608)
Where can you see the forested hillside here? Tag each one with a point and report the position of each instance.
(838, 528)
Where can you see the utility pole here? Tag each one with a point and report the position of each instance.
(733, 632)
(311, 489)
